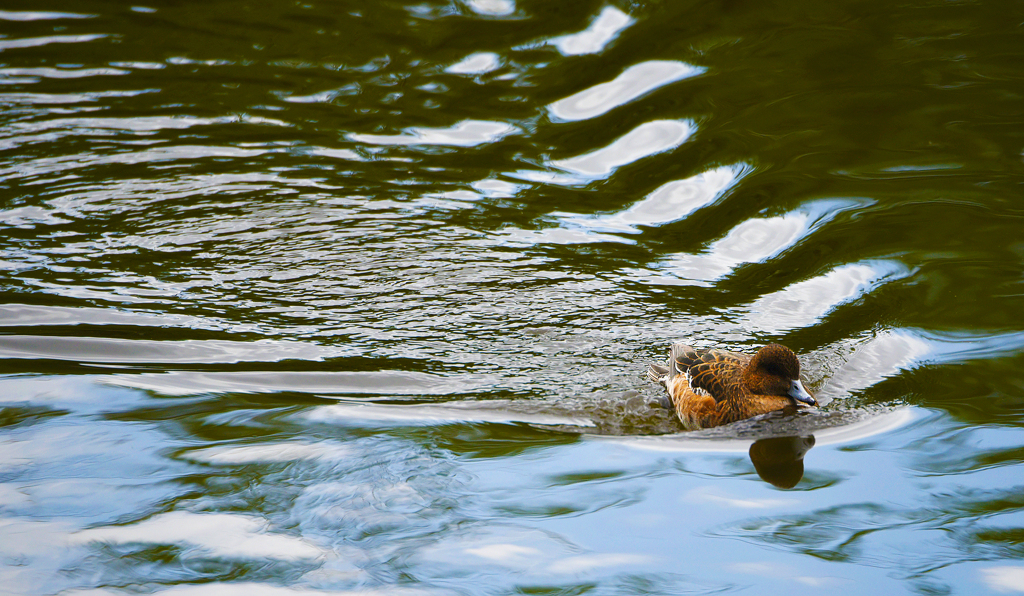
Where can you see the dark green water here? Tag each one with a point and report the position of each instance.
(305, 298)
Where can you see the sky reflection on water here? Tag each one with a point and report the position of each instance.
(358, 299)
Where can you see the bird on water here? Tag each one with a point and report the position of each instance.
(714, 387)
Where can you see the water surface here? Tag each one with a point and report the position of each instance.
(358, 297)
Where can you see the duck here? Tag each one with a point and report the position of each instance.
(711, 387)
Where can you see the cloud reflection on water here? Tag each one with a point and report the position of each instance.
(1007, 578)
(647, 139)
(34, 15)
(752, 241)
(478, 63)
(35, 42)
(634, 82)
(492, 7)
(806, 302)
(888, 352)
(430, 414)
(675, 200)
(219, 534)
(605, 28)
(467, 133)
(530, 552)
(263, 589)
(288, 451)
(668, 203)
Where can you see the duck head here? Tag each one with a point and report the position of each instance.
(774, 370)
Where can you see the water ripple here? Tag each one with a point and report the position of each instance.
(47, 72)
(468, 133)
(289, 451)
(492, 7)
(431, 414)
(592, 40)
(807, 302)
(647, 139)
(754, 241)
(110, 350)
(25, 99)
(9, 15)
(219, 534)
(358, 298)
(672, 201)
(35, 42)
(478, 63)
(384, 383)
(635, 81)
(887, 353)
(178, 154)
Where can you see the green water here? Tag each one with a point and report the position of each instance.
(304, 298)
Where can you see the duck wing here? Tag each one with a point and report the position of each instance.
(717, 372)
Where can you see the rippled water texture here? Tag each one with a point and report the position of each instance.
(306, 298)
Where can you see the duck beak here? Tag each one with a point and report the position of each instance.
(797, 392)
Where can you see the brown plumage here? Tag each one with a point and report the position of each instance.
(714, 387)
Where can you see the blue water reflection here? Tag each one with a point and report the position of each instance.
(307, 298)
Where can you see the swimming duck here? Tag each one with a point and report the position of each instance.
(714, 387)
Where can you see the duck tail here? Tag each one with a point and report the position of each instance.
(685, 355)
(657, 373)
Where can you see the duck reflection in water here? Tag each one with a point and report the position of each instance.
(780, 460)
(714, 387)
